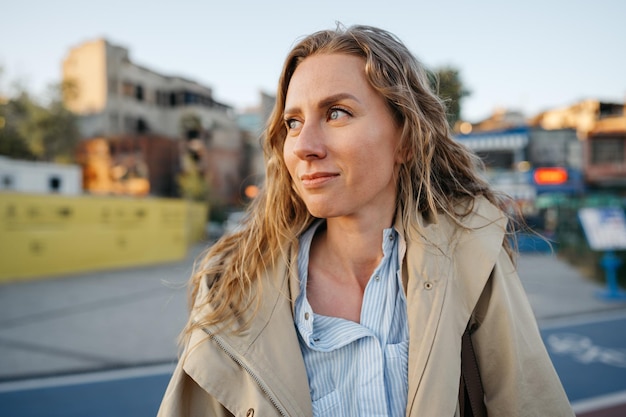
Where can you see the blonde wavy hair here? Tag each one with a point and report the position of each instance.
(436, 176)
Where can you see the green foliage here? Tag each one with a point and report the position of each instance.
(31, 130)
(12, 144)
(447, 83)
(191, 183)
(570, 237)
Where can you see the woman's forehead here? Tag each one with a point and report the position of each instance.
(325, 75)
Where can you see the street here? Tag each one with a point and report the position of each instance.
(589, 356)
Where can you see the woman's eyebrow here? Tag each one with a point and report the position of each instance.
(334, 98)
(325, 102)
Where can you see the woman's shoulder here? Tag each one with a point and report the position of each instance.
(470, 219)
(479, 212)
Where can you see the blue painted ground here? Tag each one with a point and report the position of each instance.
(130, 397)
(590, 358)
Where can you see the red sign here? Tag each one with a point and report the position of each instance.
(550, 176)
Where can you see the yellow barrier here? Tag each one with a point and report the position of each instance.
(47, 235)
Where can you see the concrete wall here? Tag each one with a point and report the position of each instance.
(39, 177)
(47, 235)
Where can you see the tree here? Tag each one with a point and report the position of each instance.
(446, 82)
(12, 144)
(191, 182)
(30, 130)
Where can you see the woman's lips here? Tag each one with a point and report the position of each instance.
(317, 179)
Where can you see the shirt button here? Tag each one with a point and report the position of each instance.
(377, 277)
(428, 285)
(306, 316)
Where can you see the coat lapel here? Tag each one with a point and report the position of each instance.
(267, 353)
(444, 270)
(425, 270)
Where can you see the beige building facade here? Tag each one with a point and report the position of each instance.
(114, 97)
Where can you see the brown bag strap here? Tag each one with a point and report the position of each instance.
(471, 393)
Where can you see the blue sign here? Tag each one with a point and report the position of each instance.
(605, 227)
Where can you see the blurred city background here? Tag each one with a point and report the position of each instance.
(130, 140)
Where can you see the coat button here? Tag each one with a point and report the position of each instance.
(428, 285)
(250, 412)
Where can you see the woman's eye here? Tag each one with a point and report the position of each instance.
(337, 113)
(292, 124)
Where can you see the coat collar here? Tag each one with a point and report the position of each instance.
(267, 349)
(447, 264)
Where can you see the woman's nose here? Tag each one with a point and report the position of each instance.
(310, 142)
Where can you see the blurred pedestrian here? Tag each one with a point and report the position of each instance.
(372, 247)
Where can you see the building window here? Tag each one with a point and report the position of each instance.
(54, 184)
(611, 110)
(164, 100)
(149, 96)
(607, 151)
(139, 93)
(142, 126)
(7, 181)
(128, 89)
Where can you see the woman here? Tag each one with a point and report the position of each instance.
(371, 247)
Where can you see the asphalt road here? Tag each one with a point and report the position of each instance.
(589, 356)
(127, 393)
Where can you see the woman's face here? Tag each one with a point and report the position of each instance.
(341, 141)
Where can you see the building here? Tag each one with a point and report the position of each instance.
(39, 177)
(605, 154)
(582, 116)
(601, 128)
(572, 149)
(116, 98)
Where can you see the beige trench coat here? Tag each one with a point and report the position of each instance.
(448, 273)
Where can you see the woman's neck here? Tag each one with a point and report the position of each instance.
(352, 249)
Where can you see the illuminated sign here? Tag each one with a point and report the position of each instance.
(550, 176)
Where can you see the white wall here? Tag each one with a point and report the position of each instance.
(39, 177)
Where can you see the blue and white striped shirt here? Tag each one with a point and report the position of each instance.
(357, 369)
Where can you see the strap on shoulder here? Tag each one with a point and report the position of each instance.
(471, 393)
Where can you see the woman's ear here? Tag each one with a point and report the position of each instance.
(404, 150)
(404, 154)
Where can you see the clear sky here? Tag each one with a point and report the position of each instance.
(528, 55)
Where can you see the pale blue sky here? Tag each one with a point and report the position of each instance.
(529, 55)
